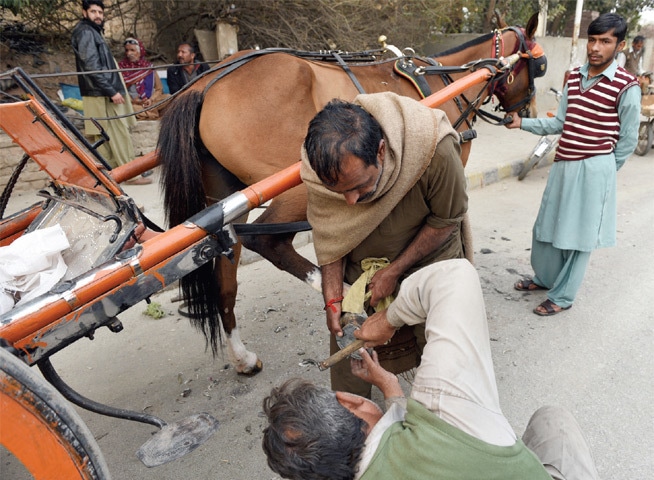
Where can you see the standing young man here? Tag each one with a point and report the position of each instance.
(103, 93)
(598, 119)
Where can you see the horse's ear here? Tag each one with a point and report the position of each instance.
(532, 25)
(499, 19)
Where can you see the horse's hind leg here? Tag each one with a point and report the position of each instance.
(244, 361)
(278, 249)
(218, 183)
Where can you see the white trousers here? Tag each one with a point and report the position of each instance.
(456, 379)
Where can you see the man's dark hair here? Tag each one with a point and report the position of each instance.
(191, 46)
(606, 22)
(86, 4)
(338, 129)
(310, 435)
(638, 39)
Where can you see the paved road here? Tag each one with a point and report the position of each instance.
(595, 359)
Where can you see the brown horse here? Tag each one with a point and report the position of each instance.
(227, 131)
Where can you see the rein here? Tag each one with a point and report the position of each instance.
(530, 53)
(496, 84)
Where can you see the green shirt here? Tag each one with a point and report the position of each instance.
(424, 447)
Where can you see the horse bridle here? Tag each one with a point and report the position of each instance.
(534, 58)
(536, 63)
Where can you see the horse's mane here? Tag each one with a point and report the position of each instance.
(471, 43)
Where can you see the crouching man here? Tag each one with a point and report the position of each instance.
(452, 427)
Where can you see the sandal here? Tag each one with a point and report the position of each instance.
(549, 307)
(527, 285)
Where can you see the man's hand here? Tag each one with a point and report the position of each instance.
(332, 290)
(382, 284)
(369, 369)
(375, 330)
(118, 99)
(334, 319)
(515, 122)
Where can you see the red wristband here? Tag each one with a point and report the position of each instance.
(331, 303)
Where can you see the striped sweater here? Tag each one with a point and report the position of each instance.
(592, 125)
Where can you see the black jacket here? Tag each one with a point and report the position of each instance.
(175, 76)
(92, 53)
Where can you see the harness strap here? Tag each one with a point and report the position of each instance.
(471, 107)
(225, 68)
(270, 228)
(407, 70)
(150, 224)
(347, 70)
(487, 116)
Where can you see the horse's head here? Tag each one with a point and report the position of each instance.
(515, 90)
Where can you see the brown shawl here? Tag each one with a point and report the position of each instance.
(411, 132)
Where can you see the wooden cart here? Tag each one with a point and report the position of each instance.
(108, 272)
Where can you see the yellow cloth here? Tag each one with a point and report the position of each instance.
(74, 103)
(357, 296)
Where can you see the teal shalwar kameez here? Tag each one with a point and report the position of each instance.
(578, 209)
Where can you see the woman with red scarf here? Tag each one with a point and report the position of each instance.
(143, 84)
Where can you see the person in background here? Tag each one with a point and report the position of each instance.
(452, 426)
(185, 69)
(632, 61)
(598, 119)
(144, 85)
(103, 93)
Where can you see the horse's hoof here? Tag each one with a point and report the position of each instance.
(250, 372)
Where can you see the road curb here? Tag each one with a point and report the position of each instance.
(500, 172)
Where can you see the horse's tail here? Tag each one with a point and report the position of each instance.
(181, 153)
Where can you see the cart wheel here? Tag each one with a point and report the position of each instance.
(41, 429)
(645, 138)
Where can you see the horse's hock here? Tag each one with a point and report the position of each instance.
(144, 138)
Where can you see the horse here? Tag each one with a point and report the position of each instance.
(246, 119)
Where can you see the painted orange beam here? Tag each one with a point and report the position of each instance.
(14, 226)
(135, 167)
(456, 88)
